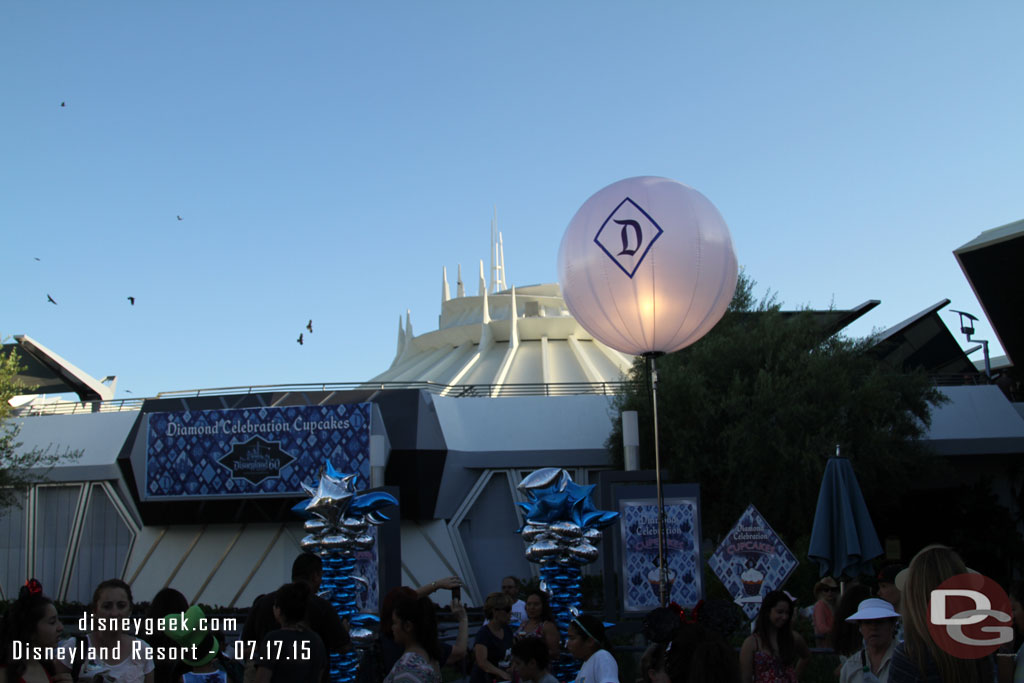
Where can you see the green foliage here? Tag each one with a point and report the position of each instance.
(19, 469)
(753, 410)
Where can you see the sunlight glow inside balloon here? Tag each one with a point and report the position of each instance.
(647, 265)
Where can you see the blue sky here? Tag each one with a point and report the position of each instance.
(328, 158)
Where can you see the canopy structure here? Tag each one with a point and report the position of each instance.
(47, 373)
(991, 263)
(923, 341)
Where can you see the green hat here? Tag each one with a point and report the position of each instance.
(189, 633)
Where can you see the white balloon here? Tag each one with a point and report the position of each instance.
(647, 265)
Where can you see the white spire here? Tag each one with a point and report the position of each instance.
(460, 289)
(445, 292)
(493, 248)
(401, 341)
(408, 324)
(513, 337)
(486, 315)
(502, 284)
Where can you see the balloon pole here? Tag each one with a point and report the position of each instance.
(662, 573)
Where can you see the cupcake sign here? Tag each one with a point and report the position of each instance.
(752, 560)
(641, 574)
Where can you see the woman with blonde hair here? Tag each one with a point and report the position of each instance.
(918, 659)
(493, 641)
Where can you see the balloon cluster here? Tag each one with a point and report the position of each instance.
(562, 530)
(338, 525)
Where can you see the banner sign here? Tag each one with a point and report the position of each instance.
(253, 451)
(752, 561)
(638, 519)
(367, 567)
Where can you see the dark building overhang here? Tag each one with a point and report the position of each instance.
(923, 341)
(44, 372)
(991, 262)
(834, 321)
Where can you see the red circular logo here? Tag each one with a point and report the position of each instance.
(969, 616)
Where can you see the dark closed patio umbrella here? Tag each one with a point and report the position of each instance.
(843, 539)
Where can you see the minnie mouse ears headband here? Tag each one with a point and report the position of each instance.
(660, 624)
(34, 587)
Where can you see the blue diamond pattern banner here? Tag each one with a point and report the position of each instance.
(253, 451)
(752, 561)
(641, 575)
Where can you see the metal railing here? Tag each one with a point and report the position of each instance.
(453, 390)
(456, 390)
(959, 379)
(78, 407)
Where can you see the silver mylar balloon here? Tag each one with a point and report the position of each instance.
(362, 637)
(584, 552)
(566, 530)
(330, 516)
(313, 525)
(309, 542)
(541, 479)
(354, 525)
(337, 542)
(329, 494)
(546, 548)
(376, 519)
(534, 555)
(532, 531)
(363, 542)
(593, 536)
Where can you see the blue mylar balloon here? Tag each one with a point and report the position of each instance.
(371, 502)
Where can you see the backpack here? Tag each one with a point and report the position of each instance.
(232, 667)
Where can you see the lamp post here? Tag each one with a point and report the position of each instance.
(647, 267)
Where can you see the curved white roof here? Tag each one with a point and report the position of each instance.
(513, 336)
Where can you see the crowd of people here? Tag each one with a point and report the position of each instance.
(880, 636)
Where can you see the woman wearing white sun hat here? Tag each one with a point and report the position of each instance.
(877, 620)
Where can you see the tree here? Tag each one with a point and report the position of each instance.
(19, 469)
(753, 410)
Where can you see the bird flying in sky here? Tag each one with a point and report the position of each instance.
(132, 300)
(50, 299)
(309, 326)
(299, 339)
(180, 218)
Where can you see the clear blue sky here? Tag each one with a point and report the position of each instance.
(328, 158)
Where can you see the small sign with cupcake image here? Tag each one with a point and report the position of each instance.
(752, 560)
